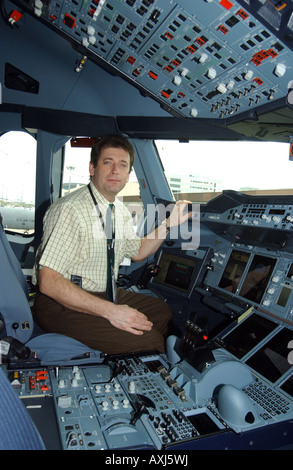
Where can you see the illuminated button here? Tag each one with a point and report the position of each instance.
(74, 383)
(184, 71)
(77, 375)
(115, 404)
(92, 40)
(248, 75)
(177, 80)
(230, 85)
(91, 30)
(211, 73)
(64, 401)
(276, 219)
(61, 383)
(203, 58)
(280, 70)
(131, 387)
(41, 377)
(193, 112)
(221, 88)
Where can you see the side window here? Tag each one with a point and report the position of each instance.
(76, 166)
(17, 181)
(76, 174)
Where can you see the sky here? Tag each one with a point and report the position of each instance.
(262, 165)
(17, 166)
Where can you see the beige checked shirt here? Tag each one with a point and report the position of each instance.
(74, 241)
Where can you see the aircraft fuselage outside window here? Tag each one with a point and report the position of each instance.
(17, 181)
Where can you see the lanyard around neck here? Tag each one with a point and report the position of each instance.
(111, 283)
(100, 215)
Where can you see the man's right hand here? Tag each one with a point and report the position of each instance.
(128, 319)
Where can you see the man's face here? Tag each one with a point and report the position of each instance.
(112, 172)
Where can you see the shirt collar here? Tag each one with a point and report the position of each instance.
(101, 200)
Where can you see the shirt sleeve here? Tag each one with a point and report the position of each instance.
(60, 238)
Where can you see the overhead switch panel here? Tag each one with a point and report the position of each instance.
(207, 59)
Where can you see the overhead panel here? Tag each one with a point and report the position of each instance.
(206, 59)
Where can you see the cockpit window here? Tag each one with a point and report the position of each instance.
(200, 170)
(17, 181)
(76, 168)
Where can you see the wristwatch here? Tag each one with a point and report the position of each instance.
(165, 224)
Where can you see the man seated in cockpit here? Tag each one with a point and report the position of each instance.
(77, 279)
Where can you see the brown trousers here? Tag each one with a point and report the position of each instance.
(97, 332)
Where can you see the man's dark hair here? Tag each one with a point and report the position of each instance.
(116, 141)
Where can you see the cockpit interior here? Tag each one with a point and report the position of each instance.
(203, 89)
